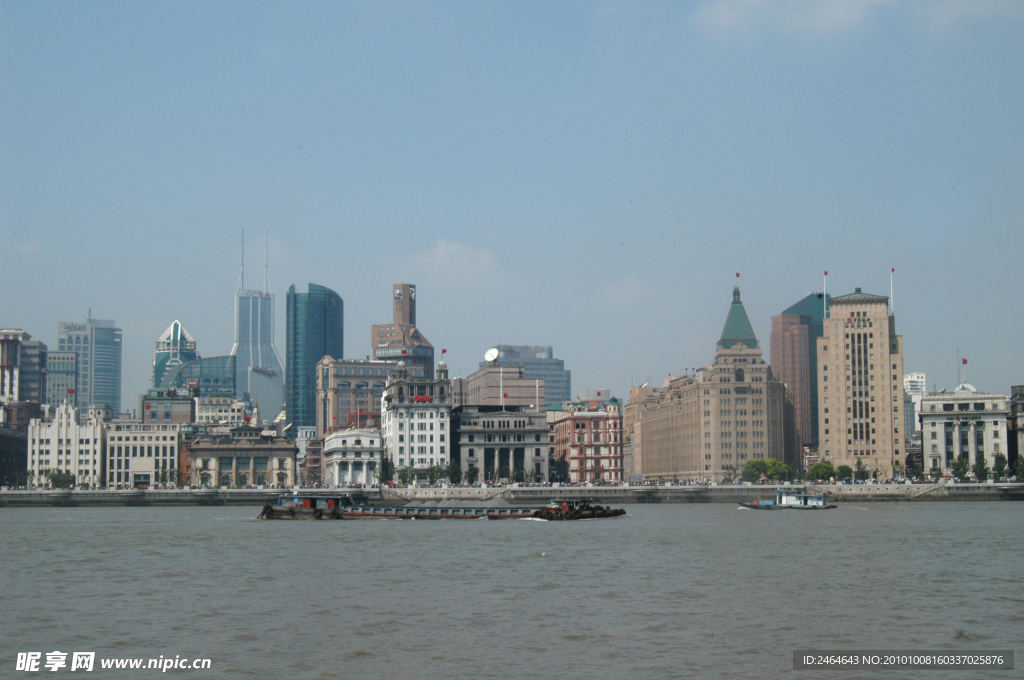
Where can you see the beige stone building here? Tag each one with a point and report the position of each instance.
(496, 385)
(708, 426)
(860, 385)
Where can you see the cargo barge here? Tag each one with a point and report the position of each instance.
(321, 507)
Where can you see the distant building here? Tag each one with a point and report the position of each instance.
(588, 441)
(632, 444)
(23, 367)
(13, 457)
(1016, 424)
(62, 445)
(538, 361)
(352, 456)
(221, 411)
(16, 415)
(794, 361)
(708, 426)
(509, 443)
(259, 372)
(915, 386)
(248, 455)
(315, 328)
(496, 385)
(173, 348)
(61, 377)
(168, 406)
(142, 454)
(860, 385)
(416, 419)
(401, 339)
(347, 387)
(963, 422)
(213, 377)
(97, 347)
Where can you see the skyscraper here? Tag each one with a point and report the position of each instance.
(97, 347)
(401, 340)
(860, 385)
(314, 329)
(174, 348)
(538, 361)
(794, 360)
(258, 368)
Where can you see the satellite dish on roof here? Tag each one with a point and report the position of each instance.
(491, 354)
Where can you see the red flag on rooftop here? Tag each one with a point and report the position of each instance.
(965, 362)
(405, 351)
(737, 275)
(443, 351)
(505, 394)
(894, 270)
(826, 272)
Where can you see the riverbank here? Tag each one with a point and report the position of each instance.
(839, 493)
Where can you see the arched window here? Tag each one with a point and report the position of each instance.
(379, 385)
(344, 385)
(361, 385)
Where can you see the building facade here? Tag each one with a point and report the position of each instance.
(1016, 424)
(963, 422)
(173, 348)
(247, 456)
(588, 441)
(794, 361)
(221, 411)
(164, 407)
(23, 367)
(352, 457)
(61, 377)
(416, 419)
(348, 387)
(915, 386)
(315, 327)
(707, 426)
(211, 376)
(860, 386)
(401, 339)
(502, 443)
(496, 385)
(141, 455)
(538, 362)
(259, 371)
(97, 347)
(63, 445)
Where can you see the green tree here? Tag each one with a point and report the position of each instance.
(434, 473)
(821, 470)
(386, 472)
(860, 472)
(981, 470)
(405, 475)
(453, 472)
(961, 466)
(59, 480)
(1018, 466)
(844, 472)
(472, 474)
(754, 469)
(999, 467)
(729, 473)
(776, 470)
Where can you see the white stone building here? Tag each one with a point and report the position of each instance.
(962, 422)
(915, 385)
(416, 419)
(221, 411)
(142, 454)
(351, 456)
(62, 445)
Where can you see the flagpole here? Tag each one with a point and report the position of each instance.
(824, 295)
(892, 300)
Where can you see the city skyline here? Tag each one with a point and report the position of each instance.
(582, 172)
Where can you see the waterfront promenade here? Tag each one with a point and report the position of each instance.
(523, 495)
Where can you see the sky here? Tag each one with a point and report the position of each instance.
(586, 175)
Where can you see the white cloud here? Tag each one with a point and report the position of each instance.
(834, 16)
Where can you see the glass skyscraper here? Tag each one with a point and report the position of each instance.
(174, 348)
(97, 347)
(314, 329)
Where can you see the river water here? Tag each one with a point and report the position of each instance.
(669, 591)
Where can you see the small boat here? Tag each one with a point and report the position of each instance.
(791, 499)
(309, 506)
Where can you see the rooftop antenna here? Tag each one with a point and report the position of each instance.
(241, 273)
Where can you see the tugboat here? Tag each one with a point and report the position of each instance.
(309, 506)
(791, 499)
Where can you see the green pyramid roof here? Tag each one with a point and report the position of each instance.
(737, 326)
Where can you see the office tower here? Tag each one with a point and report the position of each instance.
(794, 361)
(860, 385)
(61, 377)
(538, 361)
(23, 367)
(401, 339)
(314, 329)
(915, 386)
(174, 348)
(97, 347)
(349, 388)
(259, 372)
(709, 425)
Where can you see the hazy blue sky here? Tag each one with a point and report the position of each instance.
(589, 175)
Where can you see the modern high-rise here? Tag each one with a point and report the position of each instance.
(538, 361)
(259, 371)
(97, 347)
(794, 361)
(401, 340)
(314, 329)
(709, 425)
(23, 367)
(860, 386)
(174, 348)
(211, 376)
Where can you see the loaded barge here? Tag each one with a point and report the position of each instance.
(345, 507)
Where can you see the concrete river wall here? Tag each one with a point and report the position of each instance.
(525, 495)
